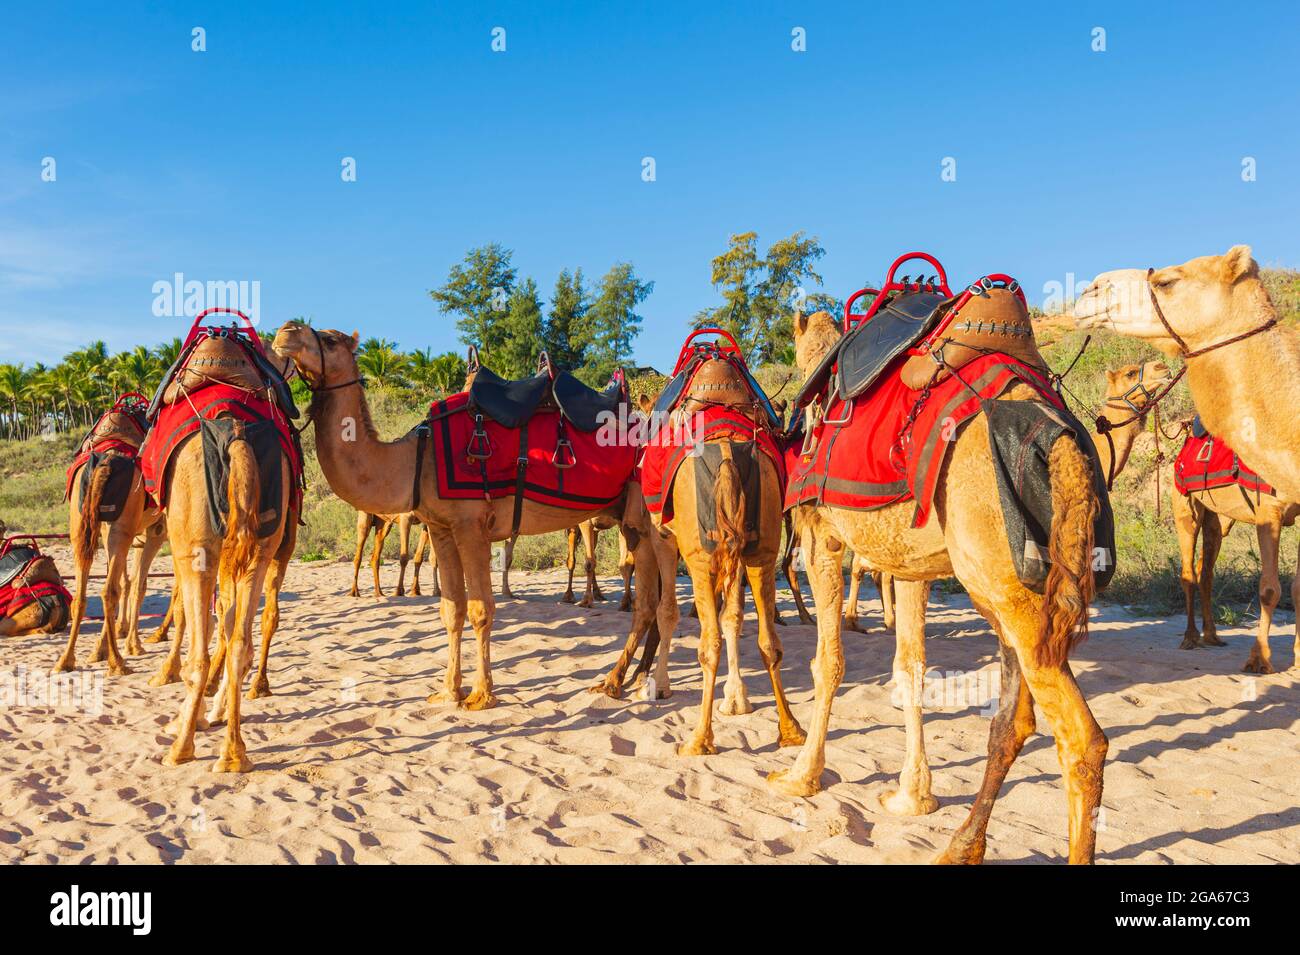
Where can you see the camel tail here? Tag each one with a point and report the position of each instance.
(729, 498)
(89, 530)
(243, 491)
(1070, 582)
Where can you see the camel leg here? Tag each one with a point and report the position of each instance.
(169, 671)
(1187, 517)
(1010, 727)
(762, 584)
(667, 612)
(271, 612)
(159, 635)
(701, 743)
(1211, 541)
(507, 558)
(588, 531)
(1269, 532)
(626, 568)
(404, 552)
(377, 554)
(885, 584)
(153, 541)
(68, 660)
(216, 687)
(856, 570)
(476, 555)
(570, 562)
(792, 578)
(1295, 604)
(451, 607)
(912, 798)
(643, 616)
(421, 542)
(823, 554)
(735, 699)
(247, 592)
(197, 586)
(364, 523)
(119, 553)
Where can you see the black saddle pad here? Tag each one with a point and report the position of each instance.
(1198, 428)
(584, 406)
(508, 403)
(264, 438)
(707, 463)
(870, 346)
(121, 476)
(14, 560)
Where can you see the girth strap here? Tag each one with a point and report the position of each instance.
(421, 436)
(521, 473)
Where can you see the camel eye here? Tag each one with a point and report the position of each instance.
(1164, 281)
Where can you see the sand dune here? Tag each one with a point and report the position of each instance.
(352, 765)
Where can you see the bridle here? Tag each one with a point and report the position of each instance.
(317, 388)
(1185, 352)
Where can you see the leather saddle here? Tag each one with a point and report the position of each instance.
(710, 375)
(118, 424)
(13, 558)
(221, 356)
(993, 320)
(511, 403)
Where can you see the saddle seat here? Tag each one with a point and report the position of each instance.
(710, 374)
(511, 403)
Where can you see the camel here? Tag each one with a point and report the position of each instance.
(240, 560)
(136, 517)
(36, 617)
(1211, 514)
(965, 537)
(382, 524)
(1214, 313)
(716, 574)
(378, 477)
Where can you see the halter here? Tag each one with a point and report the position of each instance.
(1186, 352)
(315, 388)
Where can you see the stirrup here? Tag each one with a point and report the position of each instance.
(564, 445)
(480, 445)
(848, 407)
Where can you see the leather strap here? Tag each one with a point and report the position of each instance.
(421, 436)
(521, 472)
(1182, 345)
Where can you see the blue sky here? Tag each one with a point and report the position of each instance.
(225, 165)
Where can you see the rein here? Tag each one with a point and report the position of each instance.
(1182, 345)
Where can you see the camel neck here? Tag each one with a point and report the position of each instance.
(1122, 437)
(372, 475)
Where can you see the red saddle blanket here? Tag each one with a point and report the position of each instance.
(601, 461)
(176, 422)
(1206, 462)
(672, 445)
(17, 592)
(894, 442)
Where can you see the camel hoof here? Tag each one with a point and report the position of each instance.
(211, 688)
(99, 654)
(119, 669)
(134, 648)
(1212, 640)
(235, 764)
(852, 623)
(479, 700)
(611, 690)
(586, 603)
(568, 599)
(258, 690)
(806, 619)
(164, 678)
(793, 736)
(445, 696)
(176, 757)
(156, 637)
(954, 855)
(1256, 665)
(697, 747)
(784, 781)
(899, 803)
(1190, 641)
(65, 665)
(354, 592)
(735, 706)
(625, 607)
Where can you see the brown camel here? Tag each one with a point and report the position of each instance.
(239, 560)
(381, 524)
(965, 537)
(378, 477)
(588, 531)
(1215, 314)
(135, 517)
(1210, 515)
(36, 617)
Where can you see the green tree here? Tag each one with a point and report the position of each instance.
(522, 333)
(566, 321)
(612, 322)
(437, 376)
(477, 292)
(381, 363)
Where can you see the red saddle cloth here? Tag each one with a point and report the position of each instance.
(671, 446)
(1207, 462)
(177, 421)
(602, 460)
(17, 592)
(894, 443)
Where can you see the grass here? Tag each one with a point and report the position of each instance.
(1147, 578)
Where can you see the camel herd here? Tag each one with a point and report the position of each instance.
(1211, 313)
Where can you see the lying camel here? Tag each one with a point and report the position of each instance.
(39, 616)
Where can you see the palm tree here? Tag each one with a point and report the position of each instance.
(381, 363)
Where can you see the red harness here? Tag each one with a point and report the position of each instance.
(1207, 462)
(18, 593)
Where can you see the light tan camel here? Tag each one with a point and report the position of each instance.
(85, 527)
(240, 561)
(382, 524)
(965, 537)
(1215, 313)
(378, 477)
(1211, 514)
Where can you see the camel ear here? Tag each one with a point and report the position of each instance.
(354, 341)
(1110, 376)
(1237, 263)
(644, 403)
(800, 322)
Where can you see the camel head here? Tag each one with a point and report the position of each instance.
(1134, 386)
(814, 336)
(307, 348)
(1203, 300)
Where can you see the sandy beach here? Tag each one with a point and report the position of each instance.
(353, 765)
